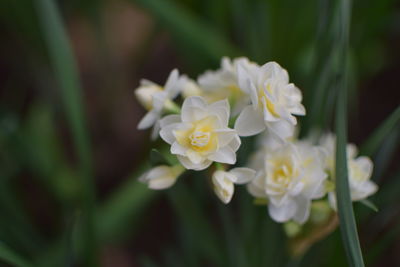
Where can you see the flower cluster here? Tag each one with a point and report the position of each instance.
(243, 99)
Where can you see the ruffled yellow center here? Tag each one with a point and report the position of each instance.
(267, 103)
(200, 137)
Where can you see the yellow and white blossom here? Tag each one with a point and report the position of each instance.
(155, 98)
(289, 177)
(223, 83)
(200, 134)
(161, 177)
(360, 171)
(274, 101)
(223, 182)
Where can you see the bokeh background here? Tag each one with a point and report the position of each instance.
(46, 191)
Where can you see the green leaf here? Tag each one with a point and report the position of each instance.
(11, 257)
(369, 204)
(195, 222)
(64, 66)
(118, 214)
(189, 29)
(345, 208)
(379, 135)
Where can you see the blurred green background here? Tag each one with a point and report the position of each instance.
(70, 153)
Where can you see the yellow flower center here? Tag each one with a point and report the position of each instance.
(200, 137)
(282, 175)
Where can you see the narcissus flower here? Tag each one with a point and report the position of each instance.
(360, 170)
(274, 101)
(290, 177)
(161, 177)
(223, 83)
(156, 98)
(223, 181)
(200, 134)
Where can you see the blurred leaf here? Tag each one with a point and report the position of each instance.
(117, 215)
(65, 70)
(233, 243)
(384, 155)
(369, 204)
(123, 209)
(193, 218)
(156, 158)
(190, 30)
(376, 139)
(11, 257)
(345, 208)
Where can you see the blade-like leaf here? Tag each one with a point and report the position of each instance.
(379, 135)
(11, 257)
(369, 204)
(64, 67)
(345, 208)
(189, 29)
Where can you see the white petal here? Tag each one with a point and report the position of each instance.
(284, 212)
(365, 165)
(169, 119)
(172, 80)
(332, 200)
(191, 166)
(177, 149)
(167, 133)
(244, 80)
(160, 177)
(224, 155)
(250, 122)
(235, 143)
(268, 116)
(193, 109)
(282, 129)
(243, 175)
(225, 136)
(159, 99)
(298, 109)
(256, 191)
(364, 190)
(194, 156)
(274, 70)
(303, 210)
(221, 110)
(156, 130)
(223, 186)
(148, 120)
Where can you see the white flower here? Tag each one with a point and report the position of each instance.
(223, 83)
(155, 97)
(200, 134)
(223, 181)
(290, 177)
(274, 101)
(360, 170)
(161, 177)
(190, 88)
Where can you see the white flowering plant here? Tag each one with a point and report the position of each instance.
(294, 177)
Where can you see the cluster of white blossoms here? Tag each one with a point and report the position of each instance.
(204, 132)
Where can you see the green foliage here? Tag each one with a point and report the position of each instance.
(11, 257)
